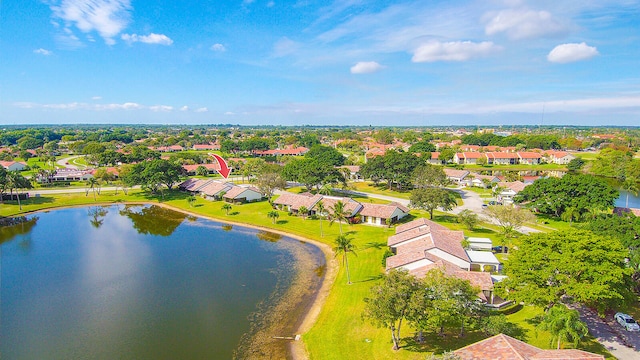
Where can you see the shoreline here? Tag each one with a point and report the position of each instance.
(296, 350)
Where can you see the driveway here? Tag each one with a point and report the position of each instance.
(620, 343)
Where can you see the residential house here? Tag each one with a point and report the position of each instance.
(468, 158)
(206, 147)
(214, 190)
(239, 194)
(371, 214)
(558, 157)
(529, 157)
(71, 175)
(291, 151)
(434, 159)
(211, 168)
(422, 245)
(379, 214)
(484, 181)
(13, 165)
(482, 244)
(502, 158)
(510, 189)
(457, 176)
(504, 347)
(352, 172)
(293, 202)
(193, 185)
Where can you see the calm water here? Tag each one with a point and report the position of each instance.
(134, 283)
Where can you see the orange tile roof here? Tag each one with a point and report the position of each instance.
(503, 347)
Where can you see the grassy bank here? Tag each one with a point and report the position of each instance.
(340, 332)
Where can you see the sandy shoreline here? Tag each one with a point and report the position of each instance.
(296, 349)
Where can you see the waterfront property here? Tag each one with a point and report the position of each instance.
(502, 346)
(422, 245)
(372, 214)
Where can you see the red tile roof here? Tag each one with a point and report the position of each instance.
(381, 211)
(503, 347)
(421, 222)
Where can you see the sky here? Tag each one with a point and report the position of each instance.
(312, 62)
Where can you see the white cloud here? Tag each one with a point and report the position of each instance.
(524, 24)
(184, 108)
(96, 107)
(42, 51)
(567, 53)
(152, 38)
(107, 17)
(164, 108)
(229, 113)
(96, 98)
(366, 67)
(218, 48)
(284, 47)
(271, 4)
(453, 51)
(201, 110)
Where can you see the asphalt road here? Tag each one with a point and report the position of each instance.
(621, 343)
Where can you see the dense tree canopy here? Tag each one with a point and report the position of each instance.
(554, 195)
(326, 155)
(395, 168)
(151, 175)
(588, 268)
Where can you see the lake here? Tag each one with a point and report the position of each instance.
(144, 282)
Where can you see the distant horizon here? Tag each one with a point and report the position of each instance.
(505, 127)
(292, 62)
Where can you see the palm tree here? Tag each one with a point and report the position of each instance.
(92, 184)
(226, 207)
(564, 325)
(631, 186)
(570, 213)
(15, 180)
(326, 189)
(191, 200)
(273, 215)
(320, 210)
(339, 213)
(303, 211)
(344, 246)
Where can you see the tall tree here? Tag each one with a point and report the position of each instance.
(564, 325)
(579, 264)
(553, 195)
(343, 246)
(388, 302)
(273, 215)
(339, 213)
(15, 181)
(509, 218)
(430, 199)
(321, 212)
(429, 175)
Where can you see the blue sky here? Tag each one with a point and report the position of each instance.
(350, 62)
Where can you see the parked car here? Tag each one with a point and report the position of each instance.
(484, 206)
(627, 322)
(499, 249)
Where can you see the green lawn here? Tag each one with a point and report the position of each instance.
(340, 332)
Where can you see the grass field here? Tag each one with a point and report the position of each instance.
(340, 332)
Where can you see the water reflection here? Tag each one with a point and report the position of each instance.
(21, 226)
(153, 220)
(97, 215)
(268, 236)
